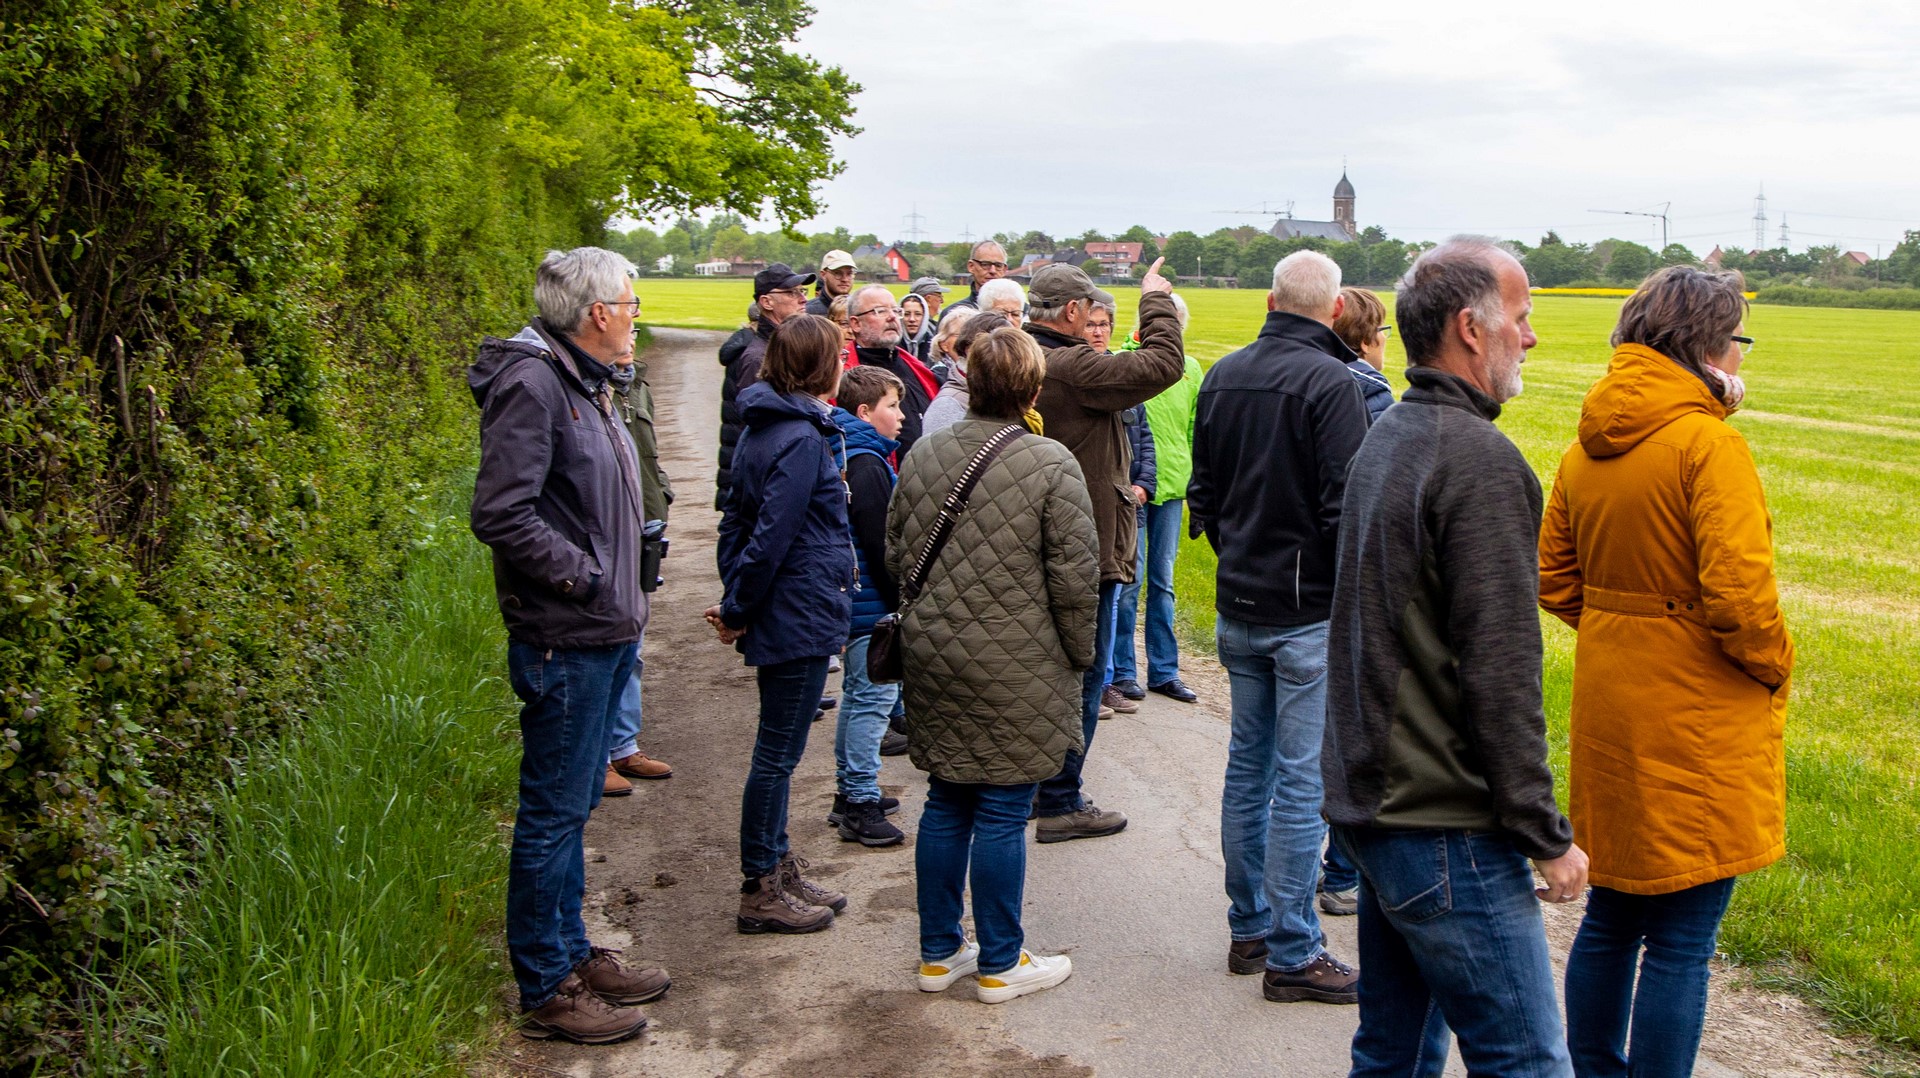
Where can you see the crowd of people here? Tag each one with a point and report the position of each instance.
(962, 504)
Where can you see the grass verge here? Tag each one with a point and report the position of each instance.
(343, 917)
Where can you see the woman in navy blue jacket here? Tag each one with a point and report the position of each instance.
(787, 563)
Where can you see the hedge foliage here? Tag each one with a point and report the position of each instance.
(1877, 299)
(245, 249)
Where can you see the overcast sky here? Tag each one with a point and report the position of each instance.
(1499, 117)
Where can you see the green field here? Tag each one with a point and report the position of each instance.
(1833, 416)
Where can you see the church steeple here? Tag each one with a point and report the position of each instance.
(1343, 204)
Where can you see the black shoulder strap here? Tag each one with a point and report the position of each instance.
(950, 510)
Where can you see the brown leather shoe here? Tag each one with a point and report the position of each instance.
(772, 908)
(576, 1014)
(808, 891)
(1247, 956)
(640, 766)
(1117, 700)
(615, 786)
(607, 978)
(1325, 980)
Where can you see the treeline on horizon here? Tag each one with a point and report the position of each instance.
(245, 253)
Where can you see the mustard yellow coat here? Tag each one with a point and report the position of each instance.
(1656, 547)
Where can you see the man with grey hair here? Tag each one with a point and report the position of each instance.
(987, 262)
(1274, 427)
(558, 500)
(1081, 399)
(1435, 755)
(876, 343)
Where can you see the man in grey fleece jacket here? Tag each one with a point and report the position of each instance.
(1435, 752)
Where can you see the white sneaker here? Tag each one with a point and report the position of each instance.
(936, 976)
(1033, 973)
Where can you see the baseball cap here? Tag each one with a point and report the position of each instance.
(1054, 285)
(924, 285)
(777, 277)
(833, 260)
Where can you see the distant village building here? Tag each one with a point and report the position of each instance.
(1341, 229)
(719, 267)
(1034, 263)
(889, 254)
(1858, 258)
(1116, 259)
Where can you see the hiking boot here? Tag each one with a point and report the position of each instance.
(770, 907)
(614, 786)
(1176, 689)
(1340, 903)
(893, 743)
(1031, 974)
(936, 976)
(1325, 980)
(809, 892)
(618, 984)
(1105, 712)
(866, 823)
(1111, 697)
(1247, 956)
(641, 766)
(1091, 821)
(888, 805)
(1130, 689)
(576, 1014)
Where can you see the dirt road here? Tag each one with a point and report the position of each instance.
(1142, 913)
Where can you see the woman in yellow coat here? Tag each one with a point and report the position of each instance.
(1657, 549)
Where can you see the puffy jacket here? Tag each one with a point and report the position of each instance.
(867, 463)
(740, 358)
(1276, 426)
(996, 643)
(1374, 388)
(557, 498)
(1140, 442)
(785, 552)
(1081, 400)
(1658, 549)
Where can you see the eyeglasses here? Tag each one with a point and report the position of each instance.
(623, 302)
(796, 293)
(1745, 343)
(871, 310)
(1100, 325)
(985, 263)
(1385, 332)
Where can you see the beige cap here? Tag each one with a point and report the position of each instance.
(834, 260)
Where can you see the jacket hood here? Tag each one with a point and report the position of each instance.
(1641, 392)
(762, 406)
(861, 435)
(926, 324)
(497, 355)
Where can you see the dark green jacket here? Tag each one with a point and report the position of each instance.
(636, 410)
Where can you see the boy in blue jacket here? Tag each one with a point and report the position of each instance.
(869, 417)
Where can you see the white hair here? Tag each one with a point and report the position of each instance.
(1306, 283)
(1180, 309)
(569, 283)
(1001, 288)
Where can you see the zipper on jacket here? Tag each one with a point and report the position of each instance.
(1296, 580)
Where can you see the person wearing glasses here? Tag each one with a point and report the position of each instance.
(1362, 326)
(1657, 549)
(877, 343)
(778, 295)
(988, 262)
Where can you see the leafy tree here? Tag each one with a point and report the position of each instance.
(1257, 259)
(1184, 251)
(874, 268)
(1553, 264)
(1373, 234)
(1629, 263)
(1676, 254)
(1136, 234)
(730, 242)
(1222, 254)
(931, 265)
(677, 245)
(1035, 243)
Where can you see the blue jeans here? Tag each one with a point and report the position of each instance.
(789, 697)
(567, 698)
(624, 736)
(864, 709)
(985, 827)
(1159, 543)
(1451, 937)
(1668, 1005)
(1270, 826)
(1060, 794)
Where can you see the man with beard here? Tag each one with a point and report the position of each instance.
(836, 280)
(876, 343)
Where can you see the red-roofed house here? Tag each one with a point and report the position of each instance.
(1116, 259)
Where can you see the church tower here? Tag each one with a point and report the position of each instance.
(1343, 206)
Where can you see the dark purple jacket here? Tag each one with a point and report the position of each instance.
(557, 498)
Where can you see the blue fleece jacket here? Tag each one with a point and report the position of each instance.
(868, 464)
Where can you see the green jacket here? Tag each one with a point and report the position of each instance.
(1170, 421)
(636, 410)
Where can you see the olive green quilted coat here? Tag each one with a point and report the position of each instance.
(996, 645)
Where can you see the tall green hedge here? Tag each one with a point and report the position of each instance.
(246, 247)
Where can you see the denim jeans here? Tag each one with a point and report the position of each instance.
(1667, 1006)
(1060, 794)
(864, 708)
(1159, 544)
(1451, 937)
(623, 740)
(789, 697)
(985, 827)
(1270, 825)
(567, 699)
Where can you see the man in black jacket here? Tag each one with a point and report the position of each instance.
(876, 343)
(1275, 426)
(779, 294)
(1436, 752)
(558, 499)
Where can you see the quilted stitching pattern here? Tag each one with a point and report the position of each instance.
(995, 646)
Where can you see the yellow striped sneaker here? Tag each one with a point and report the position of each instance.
(936, 976)
(1031, 974)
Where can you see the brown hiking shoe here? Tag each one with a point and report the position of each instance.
(607, 978)
(1247, 956)
(576, 1014)
(641, 766)
(615, 786)
(1091, 821)
(771, 908)
(1117, 700)
(1325, 980)
(808, 891)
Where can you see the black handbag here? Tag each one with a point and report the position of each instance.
(885, 662)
